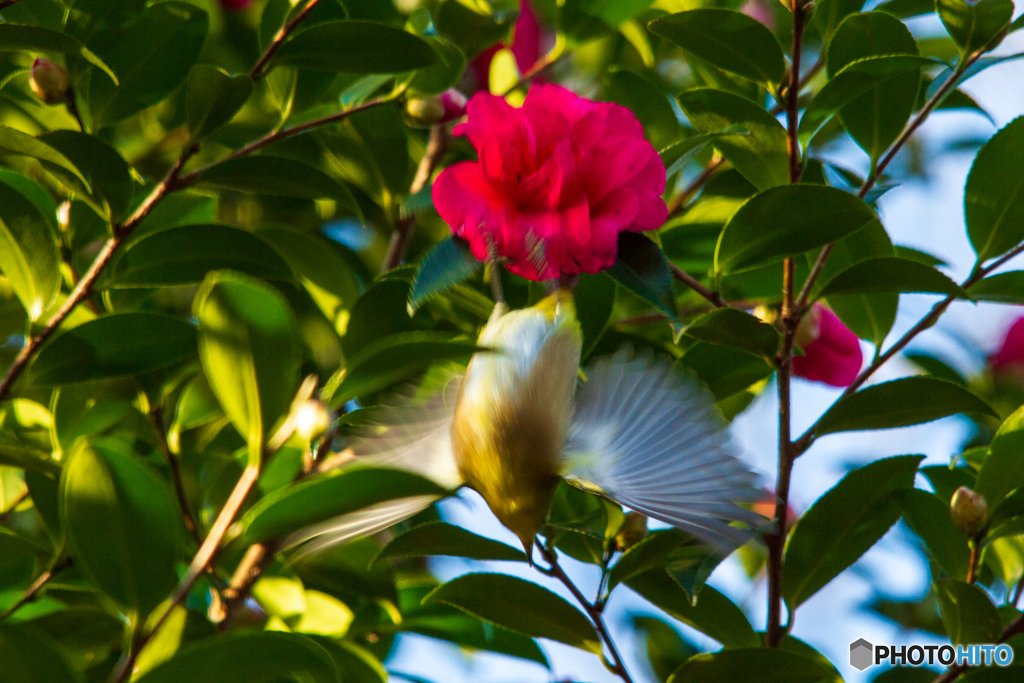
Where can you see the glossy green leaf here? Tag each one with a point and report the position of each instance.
(993, 198)
(107, 172)
(29, 256)
(518, 605)
(151, 58)
(395, 358)
(279, 177)
(768, 665)
(321, 498)
(35, 193)
(725, 370)
(438, 538)
(249, 346)
(857, 79)
(442, 74)
(356, 47)
(899, 403)
(1002, 471)
(758, 150)
(714, 615)
(731, 41)
(892, 275)
(841, 525)
(732, 327)
(648, 101)
(15, 37)
(828, 14)
(641, 267)
(448, 263)
(595, 299)
(974, 25)
(905, 9)
(213, 97)
(122, 525)
(16, 143)
(114, 345)
(968, 613)
(381, 311)
(29, 657)
(355, 663)
(186, 254)
(242, 657)
(1002, 288)
(786, 221)
(928, 516)
(875, 119)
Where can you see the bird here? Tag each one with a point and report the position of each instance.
(632, 427)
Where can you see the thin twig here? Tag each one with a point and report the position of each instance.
(593, 611)
(1010, 630)
(157, 417)
(405, 227)
(807, 438)
(36, 586)
(680, 201)
(17, 501)
(972, 564)
(714, 297)
(278, 40)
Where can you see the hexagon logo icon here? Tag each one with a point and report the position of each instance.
(861, 654)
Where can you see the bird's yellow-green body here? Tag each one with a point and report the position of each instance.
(514, 410)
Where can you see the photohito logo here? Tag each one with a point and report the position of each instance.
(863, 654)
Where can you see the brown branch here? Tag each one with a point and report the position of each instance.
(807, 438)
(1010, 630)
(972, 564)
(405, 227)
(278, 40)
(593, 611)
(679, 201)
(714, 297)
(36, 586)
(157, 417)
(17, 501)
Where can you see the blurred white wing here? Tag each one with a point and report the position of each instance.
(649, 436)
(410, 435)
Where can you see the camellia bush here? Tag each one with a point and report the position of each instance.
(234, 235)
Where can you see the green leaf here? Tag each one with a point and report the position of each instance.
(928, 516)
(15, 142)
(732, 327)
(438, 538)
(899, 403)
(758, 151)
(29, 256)
(858, 78)
(397, 357)
(107, 173)
(892, 275)
(520, 606)
(725, 370)
(330, 282)
(443, 74)
(448, 263)
(356, 47)
(786, 221)
(595, 299)
(714, 615)
(768, 665)
(648, 101)
(279, 177)
(185, 255)
(993, 198)
(974, 25)
(249, 346)
(1002, 471)
(247, 658)
(337, 493)
(114, 345)
(358, 664)
(212, 98)
(14, 38)
(828, 14)
(841, 525)
(968, 613)
(151, 57)
(731, 41)
(1002, 288)
(123, 527)
(641, 267)
(875, 119)
(919, 256)
(29, 657)
(381, 311)
(904, 9)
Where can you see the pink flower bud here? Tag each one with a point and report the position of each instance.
(424, 111)
(1009, 358)
(968, 510)
(49, 81)
(766, 508)
(831, 351)
(454, 105)
(236, 5)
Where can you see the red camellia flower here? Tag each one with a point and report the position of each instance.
(525, 46)
(1010, 356)
(831, 351)
(557, 180)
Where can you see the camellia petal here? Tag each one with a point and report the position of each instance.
(833, 355)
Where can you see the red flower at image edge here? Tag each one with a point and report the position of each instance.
(1010, 355)
(556, 181)
(831, 351)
